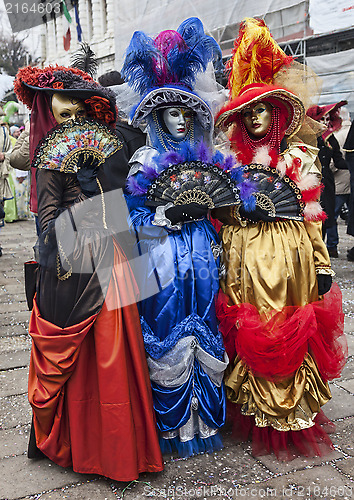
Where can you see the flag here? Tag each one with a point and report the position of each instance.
(66, 25)
(78, 25)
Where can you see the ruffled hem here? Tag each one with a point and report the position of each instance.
(192, 447)
(285, 445)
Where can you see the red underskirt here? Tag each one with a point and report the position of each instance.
(286, 445)
(90, 391)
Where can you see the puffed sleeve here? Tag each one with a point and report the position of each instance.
(320, 252)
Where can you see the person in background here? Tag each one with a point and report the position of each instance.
(15, 132)
(341, 179)
(20, 163)
(20, 157)
(348, 148)
(5, 148)
(329, 151)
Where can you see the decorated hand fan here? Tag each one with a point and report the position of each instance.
(280, 196)
(62, 146)
(193, 182)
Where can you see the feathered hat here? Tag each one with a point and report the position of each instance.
(164, 70)
(256, 62)
(99, 101)
(335, 123)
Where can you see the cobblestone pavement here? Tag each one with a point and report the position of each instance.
(230, 473)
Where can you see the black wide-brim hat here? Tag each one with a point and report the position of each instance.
(100, 101)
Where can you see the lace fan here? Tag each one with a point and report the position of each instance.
(280, 196)
(61, 147)
(193, 182)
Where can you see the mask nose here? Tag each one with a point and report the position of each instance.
(181, 119)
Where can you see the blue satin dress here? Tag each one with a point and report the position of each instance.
(184, 348)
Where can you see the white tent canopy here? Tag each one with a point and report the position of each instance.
(337, 74)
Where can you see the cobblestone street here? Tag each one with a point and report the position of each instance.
(230, 473)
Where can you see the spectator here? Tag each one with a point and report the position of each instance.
(329, 149)
(5, 148)
(18, 207)
(341, 179)
(349, 155)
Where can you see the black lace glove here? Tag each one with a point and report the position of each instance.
(87, 170)
(256, 215)
(324, 282)
(186, 213)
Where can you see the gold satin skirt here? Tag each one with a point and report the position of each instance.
(271, 265)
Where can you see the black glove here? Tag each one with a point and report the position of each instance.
(87, 170)
(256, 215)
(186, 213)
(324, 282)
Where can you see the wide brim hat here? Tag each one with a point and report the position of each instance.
(318, 112)
(72, 82)
(269, 93)
(168, 96)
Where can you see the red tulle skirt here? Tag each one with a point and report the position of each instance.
(273, 348)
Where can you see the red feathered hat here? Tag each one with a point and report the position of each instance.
(287, 101)
(318, 112)
(255, 62)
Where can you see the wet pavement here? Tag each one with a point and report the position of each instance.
(230, 473)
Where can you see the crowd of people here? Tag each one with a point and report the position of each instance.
(15, 179)
(182, 276)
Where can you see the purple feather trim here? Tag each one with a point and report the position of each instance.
(247, 191)
(170, 158)
(135, 188)
(229, 162)
(150, 172)
(203, 152)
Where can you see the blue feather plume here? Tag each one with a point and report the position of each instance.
(188, 151)
(202, 50)
(236, 173)
(140, 68)
(218, 157)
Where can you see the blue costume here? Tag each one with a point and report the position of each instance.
(184, 347)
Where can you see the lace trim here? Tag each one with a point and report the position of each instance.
(216, 249)
(160, 218)
(192, 325)
(301, 417)
(175, 367)
(161, 96)
(194, 426)
(325, 270)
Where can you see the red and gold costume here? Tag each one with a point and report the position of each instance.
(284, 341)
